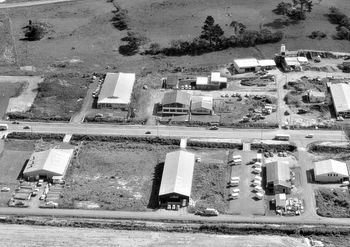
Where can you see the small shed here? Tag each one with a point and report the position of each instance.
(316, 96)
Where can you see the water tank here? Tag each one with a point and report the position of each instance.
(283, 49)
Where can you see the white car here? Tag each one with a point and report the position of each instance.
(5, 189)
(257, 182)
(259, 195)
(258, 178)
(235, 178)
(233, 183)
(234, 195)
(236, 190)
(257, 188)
(256, 170)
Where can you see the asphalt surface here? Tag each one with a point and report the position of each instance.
(298, 136)
(28, 4)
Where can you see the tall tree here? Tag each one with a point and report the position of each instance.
(302, 7)
(211, 31)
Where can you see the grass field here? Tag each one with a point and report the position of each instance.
(8, 90)
(7, 49)
(116, 176)
(12, 160)
(82, 30)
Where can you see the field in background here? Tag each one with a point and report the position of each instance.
(82, 30)
(7, 49)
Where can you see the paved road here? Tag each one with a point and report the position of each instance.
(28, 4)
(176, 131)
(172, 216)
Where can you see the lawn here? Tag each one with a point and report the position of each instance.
(116, 176)
(59, 97)
(82, 30)
(334, 203)
(12, 161)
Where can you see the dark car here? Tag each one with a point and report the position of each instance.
(148, 132)
(214, 128)
(26, 127)
(15, 122)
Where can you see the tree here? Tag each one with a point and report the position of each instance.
(238, 27)
(282, 8)
(211, 32)
(302, 6)
(33, 31)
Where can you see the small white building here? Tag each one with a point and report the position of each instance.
(267, 64)
(216, 78)
(244, 65)
(316, 96)
(292, 63)
(302, 60)
(331, 171)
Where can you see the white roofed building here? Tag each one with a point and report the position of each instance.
(116, 91)
(49, 163)
(292, 63)
(216, 78)
(341, 99)
(330, 171)
(177, 178)
(244, 65)
(202, 105)
(267, 64)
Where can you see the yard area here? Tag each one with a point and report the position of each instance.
(334, 203)
(8, 90)
(59, 97)
(12, 161)
(115, 176)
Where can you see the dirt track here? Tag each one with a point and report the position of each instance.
(24, 235)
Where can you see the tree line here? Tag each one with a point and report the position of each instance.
(212, 39)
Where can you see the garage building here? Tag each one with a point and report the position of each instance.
(244, 65)
(116, 91)
(175, 102)
(278, 177)
(202, 105)
(341, 99)
(176, 184)
(49, 163)
(331, 171)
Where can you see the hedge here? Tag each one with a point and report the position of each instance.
(35, 136)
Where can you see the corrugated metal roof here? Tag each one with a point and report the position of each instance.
(177, 173)
(117, 88)
(331, 166)
(176, 96)
(267, 62)
(54, 161)
(202, 80)
(277, 172)
(341, 96)
(246, 62)
(205, 102)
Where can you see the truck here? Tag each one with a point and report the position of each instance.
(4, 127)
(208, 212)
(282, 137)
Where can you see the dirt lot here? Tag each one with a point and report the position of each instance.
(59, 97)
(37, 235)
(8, 90)
(82, 30)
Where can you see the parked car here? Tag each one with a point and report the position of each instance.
(233, 196)
(259, 196)
(51, 204)
(213, 128)
(15, 122)
(309, 136)
(5, 189)
(235, 190)
(42, 197)
(26, 127)
(208, 212)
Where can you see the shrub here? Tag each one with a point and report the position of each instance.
(119, 20)
(317, 35)
(129, 49)
(35, 31)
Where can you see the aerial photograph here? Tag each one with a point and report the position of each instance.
(175, 123)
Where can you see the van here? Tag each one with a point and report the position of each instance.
(210, 212)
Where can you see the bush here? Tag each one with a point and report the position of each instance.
(119, 20)
(128, 49)
(35, 31)
(317, 35)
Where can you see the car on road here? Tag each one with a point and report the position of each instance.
(148, 132)
(5, 189)
(214, 128)
(26, 127)
(51, 204)
(15, 122)
(309, 136)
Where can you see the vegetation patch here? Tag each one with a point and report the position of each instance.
(115, 176)
(7, 50)
(334, 203)
(212, 39)
(335, 16)
(209, 187)
(59, 97)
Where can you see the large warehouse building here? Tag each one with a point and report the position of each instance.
(341, 99)
(278, 177)
(331, 171)
(49, 163)
(176, 185)
(116, 91)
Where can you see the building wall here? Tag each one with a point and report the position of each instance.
(201, 111)
(173, 198)
(329, 178)
(344, 114)
(244, 70)
(175, 109)
(268, 67)
(279, 189)
(113, 106)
